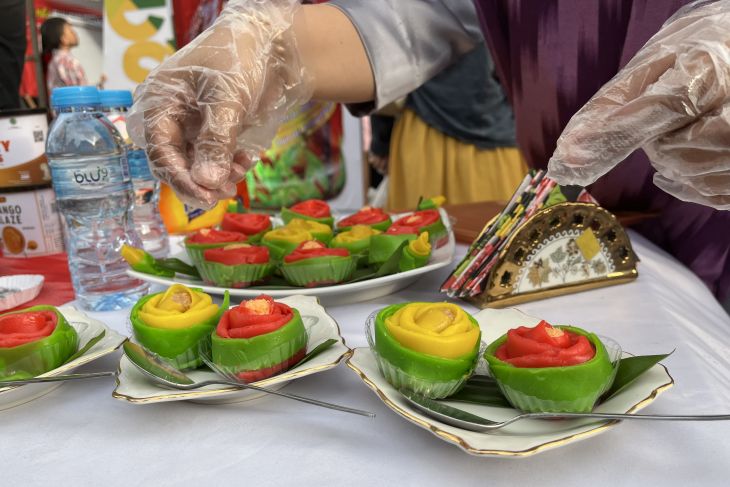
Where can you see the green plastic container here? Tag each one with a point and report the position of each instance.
(428, 375)
(235, 276)
(180, 347)
(40, 356)
(245, 355)
(319, 271)
(574, 388)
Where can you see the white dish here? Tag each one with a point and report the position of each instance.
(18, 289)
(87, 328)
(135, 387)
(525, 437)
(329, 295)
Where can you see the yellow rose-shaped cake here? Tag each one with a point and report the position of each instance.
(356, 240)
(283, 240)
(318, 230)
(429, 348)
(172, 323)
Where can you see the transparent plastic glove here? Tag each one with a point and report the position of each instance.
(206, 112)
(672, 100)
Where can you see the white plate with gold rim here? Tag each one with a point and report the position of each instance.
(136, 388)
(87, 328)
(337, 294)
(525, 437)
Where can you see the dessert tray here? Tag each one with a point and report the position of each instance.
(523, 438)
(87, 328)
(134, 387)
(329, 295)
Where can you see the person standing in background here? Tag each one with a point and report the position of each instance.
(12, 50)
(62, 68)
(455, 137)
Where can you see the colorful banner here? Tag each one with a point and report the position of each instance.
(138, 35)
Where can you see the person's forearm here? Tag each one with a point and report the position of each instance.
(381, 50)
(333, 54)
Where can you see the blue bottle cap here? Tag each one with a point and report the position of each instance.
(116, 98)
(71, 96)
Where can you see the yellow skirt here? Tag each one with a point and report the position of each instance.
(425, 162)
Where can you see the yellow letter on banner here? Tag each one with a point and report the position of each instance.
(116, 10)
(134, 54)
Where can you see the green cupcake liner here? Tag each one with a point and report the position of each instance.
(428, 375)
(401, 379)
(236, 355)
(235, 276)
(410, 261)
(195, 251)
(361, 259)
(287, 215)
(319, 271)
(574, 388)
(40, 356)
(180, 347)
(278, 249)
(382, 246)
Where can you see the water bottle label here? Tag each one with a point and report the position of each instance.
(93, 176)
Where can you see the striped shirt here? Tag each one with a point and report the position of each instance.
(64, 70)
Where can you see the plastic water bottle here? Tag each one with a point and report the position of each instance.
(94, 195)
(147, 220)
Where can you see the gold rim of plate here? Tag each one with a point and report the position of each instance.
(464, 445)
(285, 377)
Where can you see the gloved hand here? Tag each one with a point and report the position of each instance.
(673, 100)
(206, 112)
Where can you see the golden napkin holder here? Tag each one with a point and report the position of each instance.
(562, 249)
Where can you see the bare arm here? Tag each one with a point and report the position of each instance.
(378, 51)
(333, 54)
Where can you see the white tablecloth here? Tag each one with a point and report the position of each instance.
(80, 435)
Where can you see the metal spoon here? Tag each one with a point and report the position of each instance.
(163, 373)
(468, 421)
